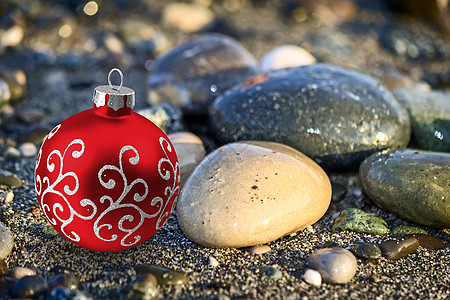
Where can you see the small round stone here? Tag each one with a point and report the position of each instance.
(273, 273)
(367, 251)
(28, 149)
(187, 17)
(286, 56)
(312, 277)
(6, 241)
(29, 287)
(428, 241)
(336, 265)
(213, 262)
(396, 249)
(259, 249)
(19, 272)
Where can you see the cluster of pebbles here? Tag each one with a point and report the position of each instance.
(301, 176)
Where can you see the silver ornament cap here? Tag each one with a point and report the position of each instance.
(115, 97)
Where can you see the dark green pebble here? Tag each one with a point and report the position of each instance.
(273, 273)
(10, 179)
(410, 183)
(404, 230)
(396, 249)
(367, 251)
(65, 280)
(165, 276)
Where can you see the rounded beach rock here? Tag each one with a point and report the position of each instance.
(194, 73)
(334, 115)
(286, 56)
(251, 193)
(336, 265)
(413, 184)
(190, 151)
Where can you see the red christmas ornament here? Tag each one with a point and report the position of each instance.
(107, 178)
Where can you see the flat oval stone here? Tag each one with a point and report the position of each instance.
(259, 249)
(428, 241)
(252, 193)
(165, 276)
(10, 179)
(353, 219)
(334, 115)
(147, 285)
(412, 184)
(429, 112)
(19, 272)
(336, 265)
(367, 251)
(193, 74)
(399, 248)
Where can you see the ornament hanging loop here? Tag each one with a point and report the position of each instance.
(121, 79)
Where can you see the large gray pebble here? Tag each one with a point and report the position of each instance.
(6, 241)
(334, 115)
(194, 73)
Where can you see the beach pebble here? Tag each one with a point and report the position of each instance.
(10, 179)
(259, 249)
(65, 280)
(194, 73)
(429, 112)
(312, 277)
(367, 251)
(336, 265)
(19, 272)
(6, 241)
(190, 151)
(213, 261)
(412, 184)
(16, 81)
(67, 294)
(396, 249)
(28, 149)
(286, 56)
(49, 231)
(165, 276)
(29, 287)
(427, 241)
(12, 152)
(187, 17)
(273, 273)
(334, 115)
(168, 117)
(353, 219)
(404, 230)
(227, 202)
(147, 286)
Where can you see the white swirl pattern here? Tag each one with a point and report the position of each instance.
(165, 170)
(59, 208)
